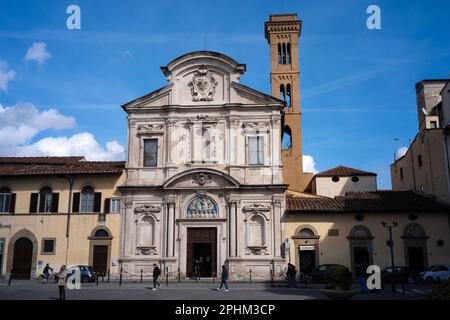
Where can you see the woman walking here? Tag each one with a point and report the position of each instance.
(62, 275)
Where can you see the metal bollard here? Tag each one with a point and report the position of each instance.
(250, 275)
(167, 276)
(179, 275)
(271, 277)
(10, 278)
(120, 277)
(96, 279)
(103, 277)
(403, 285)
(141, 275)
(108, 274)
(214, 277)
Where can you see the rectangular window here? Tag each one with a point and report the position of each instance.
(433, 124)
(5, 200)
(150, 152)
(48, 246)
(115, 205)
(419, 159)
(256, 150)
(401, 173)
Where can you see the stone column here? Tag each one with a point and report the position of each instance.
(278, 229)
(170, 228)
(232, 232)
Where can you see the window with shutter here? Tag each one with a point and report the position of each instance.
(5, 200)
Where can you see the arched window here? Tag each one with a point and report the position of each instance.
(287, 138)
(202, 207)
(5, 199)
(87, 199)
(360, 232)
(45, 200)
(288, 53)
(306, 233)
(146, 232)
(101, 233)
(284, 53)
(288, 96)
(257, 231)
(282, 93)
(279, 54)
(414, 230)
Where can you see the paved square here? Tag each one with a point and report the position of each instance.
(34, 290)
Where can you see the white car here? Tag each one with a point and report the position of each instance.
(435, 273)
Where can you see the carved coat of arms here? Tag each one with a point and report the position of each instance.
(203, 85)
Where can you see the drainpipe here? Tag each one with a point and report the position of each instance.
(71, 180)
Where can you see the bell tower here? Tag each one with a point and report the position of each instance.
(282, 31)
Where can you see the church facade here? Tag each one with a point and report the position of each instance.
(203, 180)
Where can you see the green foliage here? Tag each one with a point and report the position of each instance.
(339, 278)
(441, 292)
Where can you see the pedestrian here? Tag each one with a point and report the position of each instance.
(361, 275)
(62, 277)
(291, 273)
(224, 279)
(156, 274)
(46, 271)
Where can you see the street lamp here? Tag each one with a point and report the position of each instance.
(390, 243)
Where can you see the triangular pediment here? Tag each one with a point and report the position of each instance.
(247, 95)
(157, 98)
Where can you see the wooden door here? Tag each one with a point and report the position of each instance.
(22, 259)
(100, 259)
(201, 251)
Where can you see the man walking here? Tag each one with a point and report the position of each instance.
(224, 279)
(156, 274)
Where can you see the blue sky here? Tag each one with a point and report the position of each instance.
(357, 85)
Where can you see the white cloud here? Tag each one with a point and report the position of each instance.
(21, 123)
(309, 165)
(401, 152)
(37, 52)
(6, 75)
(81, 144)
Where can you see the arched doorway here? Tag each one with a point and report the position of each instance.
(306, 241)
(100, 250)
(22, 259)
(415, 240)
(361, 249)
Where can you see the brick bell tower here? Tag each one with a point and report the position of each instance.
(282, 31)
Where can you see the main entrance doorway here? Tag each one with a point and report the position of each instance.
(100, 259)
(415, 259)
(201, 252)
(307, 258)
(22, 259)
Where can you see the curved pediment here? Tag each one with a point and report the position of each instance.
(201, 178)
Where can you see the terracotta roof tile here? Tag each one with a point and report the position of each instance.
(13, 166)
(343, 172)
(379, 201)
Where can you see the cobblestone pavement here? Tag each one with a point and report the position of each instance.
(35, 290)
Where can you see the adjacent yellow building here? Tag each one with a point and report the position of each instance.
(58, 210)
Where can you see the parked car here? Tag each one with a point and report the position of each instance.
(401, 274)
(87, 273)
(435, 273)
(318, 273)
